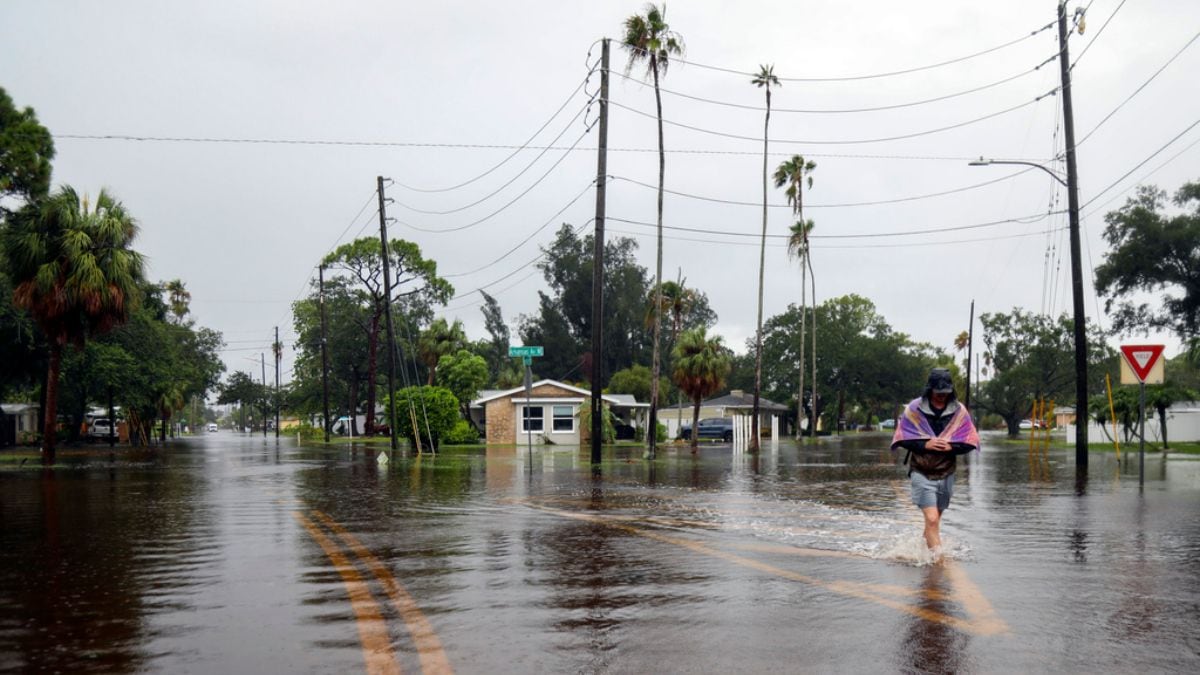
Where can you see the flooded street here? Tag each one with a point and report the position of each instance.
(230, 553)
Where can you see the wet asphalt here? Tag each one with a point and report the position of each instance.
(231, 553)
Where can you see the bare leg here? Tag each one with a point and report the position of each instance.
(933, 523)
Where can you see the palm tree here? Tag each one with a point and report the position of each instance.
(74, 271)
(677, 301)
(437, 341)
(178, 299)
(765, 78)
(648, 37)
(793, 173)
(701, 366)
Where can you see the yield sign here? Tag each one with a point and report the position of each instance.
(1142, 359)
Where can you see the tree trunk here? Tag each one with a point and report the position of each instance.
(652, 430)
(695, 425)
(372, 348)
(762, 262)
(49, 430)
(353, 402)
(1162, 423)
(816, 414)
(803, 314)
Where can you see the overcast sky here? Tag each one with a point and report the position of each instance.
(434, 94)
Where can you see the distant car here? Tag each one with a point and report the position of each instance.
(1032, 424)
(887, 424)
(713, 428)
(212, 426)
(99, 428)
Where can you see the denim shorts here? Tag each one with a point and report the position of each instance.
(926, 492)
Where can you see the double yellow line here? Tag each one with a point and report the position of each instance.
(372, 626)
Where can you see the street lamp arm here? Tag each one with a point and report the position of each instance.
(987, 162)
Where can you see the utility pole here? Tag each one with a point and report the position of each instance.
(598, 262)
(278, 353)
(970, 343)
(263, 357)
(1081, 386)
(324, 355)
(387, 310)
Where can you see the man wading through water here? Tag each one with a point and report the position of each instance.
(934, 429)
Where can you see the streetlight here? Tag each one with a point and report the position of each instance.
(1081, 386)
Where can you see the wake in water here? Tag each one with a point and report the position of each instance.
(910, 549)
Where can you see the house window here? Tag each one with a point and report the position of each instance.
(533, 419)
(564, 418)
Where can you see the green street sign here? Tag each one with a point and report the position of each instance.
(525, 351)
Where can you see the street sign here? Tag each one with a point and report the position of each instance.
(1142, 363)
(525, 351)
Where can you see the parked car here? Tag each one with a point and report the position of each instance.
(713, 427)
(887, 424)
(212, 426)
(99, 428)
(1032, 424)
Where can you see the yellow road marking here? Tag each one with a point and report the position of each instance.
(852, 589)
(372, 630)
(429, 647)
(972, 599)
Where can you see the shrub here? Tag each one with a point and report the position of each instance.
(436, 409)
(462, 434)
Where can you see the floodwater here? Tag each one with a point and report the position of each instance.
(230, 553)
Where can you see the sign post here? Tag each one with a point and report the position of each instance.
(527, 354)
(1142, 364)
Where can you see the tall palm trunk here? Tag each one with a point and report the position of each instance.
(49, 424)
(695, 425)
(652, 432)
(815, 415)
(803, 314)
(762, 261)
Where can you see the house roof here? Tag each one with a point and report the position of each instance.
(737, 400)
(17, 408)
(494, 394)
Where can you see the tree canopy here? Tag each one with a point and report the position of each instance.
(1153, 252)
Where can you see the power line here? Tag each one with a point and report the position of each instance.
(872, 76)
(828, 206)
(1098, 33)
(1140, 164)
(577, 231)
(516, 150)
(526, 239)
(1023, 220)
(818, 111)
(915, 134)
(510, 180)
(514, 199)
(825, 247)
(498, 146)
(1138, 90)
(1139, 180)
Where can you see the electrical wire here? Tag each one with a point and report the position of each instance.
(1098, 33)
(495, 146)
(872, 76)
(1140, 164)
(1138, 90)
(860, 141)
(519, 196)
(526, 239)
(510, 180)
(826, 247)
(897, 200)
(516, 150)
(1024, 220)
(818, 111)
(577, 231)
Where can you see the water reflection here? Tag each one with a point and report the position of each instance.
(933, 646)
